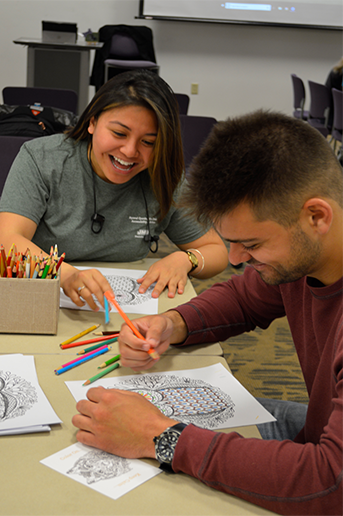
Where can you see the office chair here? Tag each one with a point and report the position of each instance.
(194, 131)
(48, 97)
(299, 97)
(337, 125)
(127, 55)
(319, 112)
(125, 47)
(183, 101)
(9, 148)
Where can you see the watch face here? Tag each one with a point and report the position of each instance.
(166, 446)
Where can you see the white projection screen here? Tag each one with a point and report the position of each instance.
(325, 14)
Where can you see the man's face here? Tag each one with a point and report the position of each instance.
(278, 254)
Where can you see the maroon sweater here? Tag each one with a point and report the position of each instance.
(303, 476)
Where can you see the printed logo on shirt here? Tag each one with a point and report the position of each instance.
(142, 221)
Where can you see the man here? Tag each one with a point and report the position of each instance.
(273, 189)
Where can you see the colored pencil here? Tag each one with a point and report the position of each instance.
(107, 311)
(109, 362)
(106, 332)
(59, 263)
(80, 335)
(112, 300)
(102, 373)
(86, 355)
(81, 361)
(96, 346)
(65, 345)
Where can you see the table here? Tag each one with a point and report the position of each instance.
(32, 489)
(72, 322)
(59, 65)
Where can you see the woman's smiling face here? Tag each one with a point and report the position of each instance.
(122, 143)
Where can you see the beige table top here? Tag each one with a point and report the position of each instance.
(31, 489)
(71, 322)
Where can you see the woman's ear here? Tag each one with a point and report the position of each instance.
(91, 125)
(318, 214)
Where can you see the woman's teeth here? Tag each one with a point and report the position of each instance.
(121, 164)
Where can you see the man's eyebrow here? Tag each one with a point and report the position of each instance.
(245, 240)
(128, 128)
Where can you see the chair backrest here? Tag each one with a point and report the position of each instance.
(183, 101)
(320, 100)
(49, 97)
(299, 94)
(9, 148)
(337, 96)
(194, 131)
(123, 46)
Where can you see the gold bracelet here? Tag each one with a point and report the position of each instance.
(203, 261)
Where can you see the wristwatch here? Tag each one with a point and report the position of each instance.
(193, 259)
(165, 444)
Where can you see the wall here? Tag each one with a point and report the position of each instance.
(238, 68)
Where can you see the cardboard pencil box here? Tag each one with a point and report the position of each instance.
(29, 305)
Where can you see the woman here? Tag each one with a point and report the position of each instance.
(334, 79)
(107, 190)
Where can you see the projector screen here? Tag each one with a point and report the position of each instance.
(324, 14)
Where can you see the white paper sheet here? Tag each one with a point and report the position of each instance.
(209, 397)
(108, 474)
(125, 287)
(24, 407)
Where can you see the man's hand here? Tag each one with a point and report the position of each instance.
(120, 422)
(159, 331)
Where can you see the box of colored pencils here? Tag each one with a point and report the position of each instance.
(29, 305)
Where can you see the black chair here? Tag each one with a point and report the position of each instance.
(299, 97)
(9, 148)
(48, 97)
(319, 112)
(183, 101)
(127, 56)
(126, 47)
(337, 126)
(194, 131)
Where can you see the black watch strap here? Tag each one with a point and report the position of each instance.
(168, 440)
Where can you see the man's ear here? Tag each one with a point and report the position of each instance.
(318, 214)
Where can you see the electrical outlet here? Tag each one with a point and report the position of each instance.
(194, 88)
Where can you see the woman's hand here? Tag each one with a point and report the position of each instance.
(170, 272)
(81, 285)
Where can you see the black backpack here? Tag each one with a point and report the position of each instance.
(34, 121)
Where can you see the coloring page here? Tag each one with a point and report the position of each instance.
(22, 402)
(125, 287)
(209, 397)
(106, 473)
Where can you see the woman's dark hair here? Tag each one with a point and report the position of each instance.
(146, 89)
